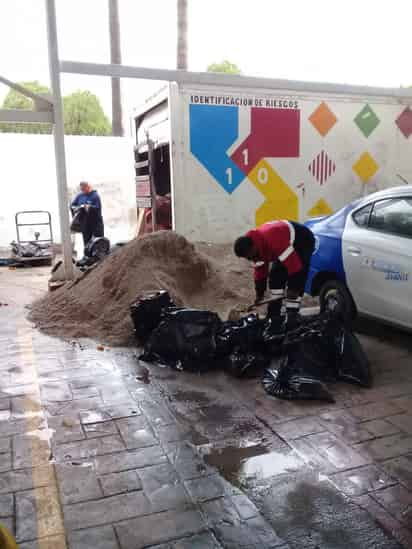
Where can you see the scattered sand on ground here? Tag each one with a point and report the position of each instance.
(205, 276)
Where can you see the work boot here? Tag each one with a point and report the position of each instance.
(293, 318)
(275, 320)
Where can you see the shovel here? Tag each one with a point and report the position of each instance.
(237, 312)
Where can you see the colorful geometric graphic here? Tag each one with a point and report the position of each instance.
(274, 133)
(367, 120)
(404, 122)
(323, 119)
(322, 167)
(281, 202)
(365, 167)
(320, 208)
(213, 129)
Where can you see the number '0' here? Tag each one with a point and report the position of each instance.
(262, 176)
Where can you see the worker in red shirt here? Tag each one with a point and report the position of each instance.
(286, 246)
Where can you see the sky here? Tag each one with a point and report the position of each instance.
(353, 42)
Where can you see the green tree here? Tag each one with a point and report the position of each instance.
(15, 100)
(82, 111)
(84, 115)
(224, 66)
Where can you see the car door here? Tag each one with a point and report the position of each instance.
(377, 255)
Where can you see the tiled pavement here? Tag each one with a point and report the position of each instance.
(99, 451)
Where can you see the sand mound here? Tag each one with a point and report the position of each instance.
(206, 276)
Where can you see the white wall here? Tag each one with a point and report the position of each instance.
(28, 179)
(204, 210)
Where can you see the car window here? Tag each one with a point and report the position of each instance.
(361, 217)
(393, 216)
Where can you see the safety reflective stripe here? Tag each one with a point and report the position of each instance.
(293, 304)
(290, 249)
(277, 293)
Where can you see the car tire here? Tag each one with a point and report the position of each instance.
(334, 296)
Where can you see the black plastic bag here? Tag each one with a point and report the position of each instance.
(147, 313)
(248, 365)
(78, 220)
(310, 355)
(289, 384)
(185, 340)
(314, 348)
(319, 349)
(335, 353)
(315, 357)
(245, 334)
(31, 249)
(354, 364)
(98, 247)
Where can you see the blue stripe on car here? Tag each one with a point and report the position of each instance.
(327, 257)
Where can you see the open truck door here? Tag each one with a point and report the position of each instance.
(153, 169)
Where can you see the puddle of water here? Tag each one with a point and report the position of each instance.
(192, 396)
(251, 462)
(95, 416)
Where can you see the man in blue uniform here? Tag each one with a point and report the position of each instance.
(92, 225)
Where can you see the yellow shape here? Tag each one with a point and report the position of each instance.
(268, 182)
(365, 167)
(6, 539)
(279, 209)
(321, 207)
(281, 202)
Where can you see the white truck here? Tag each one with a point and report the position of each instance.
(235, 157)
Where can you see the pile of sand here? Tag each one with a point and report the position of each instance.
(205, 276)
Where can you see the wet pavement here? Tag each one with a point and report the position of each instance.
(100, 451)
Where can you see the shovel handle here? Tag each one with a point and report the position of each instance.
(264, 302)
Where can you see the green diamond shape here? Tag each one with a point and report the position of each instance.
(367, 120)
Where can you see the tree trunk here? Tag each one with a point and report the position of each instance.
(182, 45)
(115, 58)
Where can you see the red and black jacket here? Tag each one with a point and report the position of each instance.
(274, 242)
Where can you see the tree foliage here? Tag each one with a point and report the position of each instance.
(224, 66)
(82, 112)
(15, 100)
(83, 115)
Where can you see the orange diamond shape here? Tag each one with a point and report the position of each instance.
(323, 119)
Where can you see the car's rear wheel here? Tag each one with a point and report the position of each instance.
(335, 297)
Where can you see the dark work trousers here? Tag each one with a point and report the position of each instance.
(93, 227)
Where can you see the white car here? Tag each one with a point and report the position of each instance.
(363, 257)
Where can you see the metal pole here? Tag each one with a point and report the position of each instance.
(58, 133)
(182, 43)
(115, 57)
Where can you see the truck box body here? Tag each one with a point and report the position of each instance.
(242, 156)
